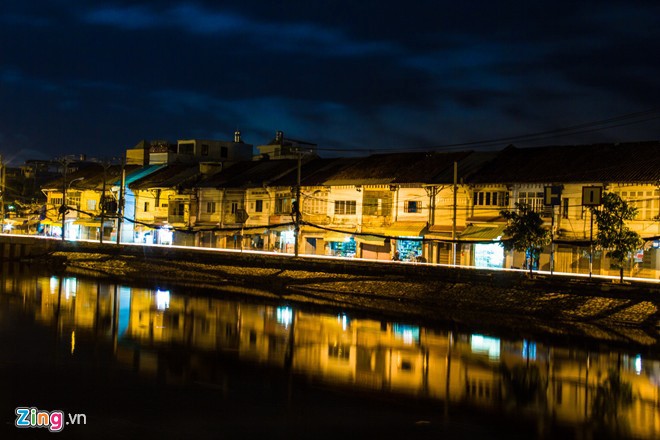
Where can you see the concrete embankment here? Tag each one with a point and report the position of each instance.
(448, 274)
(506, 302)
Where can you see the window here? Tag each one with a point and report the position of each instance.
(146, 207)
(259, 206)
(345, 207)
(564, 209)
(412, 206)
(73, 198)
(491, 198)
(224, 152)
(315, 205)
(187, 148)
(91, 205)
(646, 202)
(210, 207)
(178, 209)
(56, 201)
(377, 203)
(234, 207)
(283, 204)
(532, 199)
(205, 150)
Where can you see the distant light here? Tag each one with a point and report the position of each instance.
(638, 364)
(288, 236)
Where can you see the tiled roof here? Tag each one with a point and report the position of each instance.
(625, 162)
(315, 172)
(90, 176)
(397, 168)
(250, 174)
(170, 176)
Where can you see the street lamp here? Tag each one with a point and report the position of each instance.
(63, 208)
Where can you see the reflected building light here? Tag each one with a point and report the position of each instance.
(409, 334)
(70, 287)
(483, 344)
(638, 364)
(284, 316)
(53, 285)
(343, 320)
(529, 350)
(162, 299)
(125, 310)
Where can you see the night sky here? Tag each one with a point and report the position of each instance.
(96, 77)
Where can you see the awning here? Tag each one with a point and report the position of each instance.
(47, 222)
(442, 232)
(276, 228)
(311, 232)
(370, 239)
(482, 233)
(16, 221)
(336, 236)
(91, 223)
(406, 229)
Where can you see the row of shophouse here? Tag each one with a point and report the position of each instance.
(437, 207)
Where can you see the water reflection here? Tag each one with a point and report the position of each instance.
(606, 391)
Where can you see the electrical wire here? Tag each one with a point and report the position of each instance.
(588, 127)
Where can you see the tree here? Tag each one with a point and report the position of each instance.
(525, 227)
(613, 235)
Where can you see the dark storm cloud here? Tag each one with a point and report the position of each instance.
(99, 76)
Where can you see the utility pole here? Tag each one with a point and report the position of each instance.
(120, 204)
(591, 241)
(2, 192)
(297, 207)
(102, 201)
(453, 224)
(65, 165)
(552, 240)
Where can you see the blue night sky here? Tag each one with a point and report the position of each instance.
(96, 77)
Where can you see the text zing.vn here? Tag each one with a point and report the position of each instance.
(53, 420)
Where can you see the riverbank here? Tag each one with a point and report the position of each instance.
(506, 304)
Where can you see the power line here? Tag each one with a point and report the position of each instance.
(588, 127)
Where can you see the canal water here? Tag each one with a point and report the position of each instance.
(90, 359)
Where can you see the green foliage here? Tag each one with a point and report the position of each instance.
(526, 231)
(613, 235)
